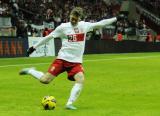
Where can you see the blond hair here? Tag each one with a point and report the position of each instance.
(77, 11)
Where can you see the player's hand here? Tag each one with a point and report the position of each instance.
(30, 50)
(121, 17)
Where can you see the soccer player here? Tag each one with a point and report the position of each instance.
(69, 59)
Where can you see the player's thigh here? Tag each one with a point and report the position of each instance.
(47, 78)
(56, 67)
(76, 73)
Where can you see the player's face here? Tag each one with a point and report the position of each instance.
(74, 20)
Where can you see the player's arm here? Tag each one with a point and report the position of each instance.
(55, 34)
(102, 23)
(105, 22)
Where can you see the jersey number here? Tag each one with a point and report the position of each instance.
(76, 37)
(72, 38)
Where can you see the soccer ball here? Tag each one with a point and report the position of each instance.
(48, 102)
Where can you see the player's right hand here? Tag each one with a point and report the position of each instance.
(30, 50)
(120, 17)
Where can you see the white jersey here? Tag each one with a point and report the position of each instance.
(73, 41)
(73, 38)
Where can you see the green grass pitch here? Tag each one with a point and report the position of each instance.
(115, 85)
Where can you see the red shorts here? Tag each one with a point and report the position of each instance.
(59, 66)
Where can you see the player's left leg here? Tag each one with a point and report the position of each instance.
(76, 89)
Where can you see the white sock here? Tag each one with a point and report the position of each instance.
(74, 93)
(35, 73)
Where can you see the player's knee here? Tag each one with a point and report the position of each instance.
(46, 79)
(79, 77)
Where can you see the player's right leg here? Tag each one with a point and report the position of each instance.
(55, 69)
(31, 71)
(47, 78)
(43, 78)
